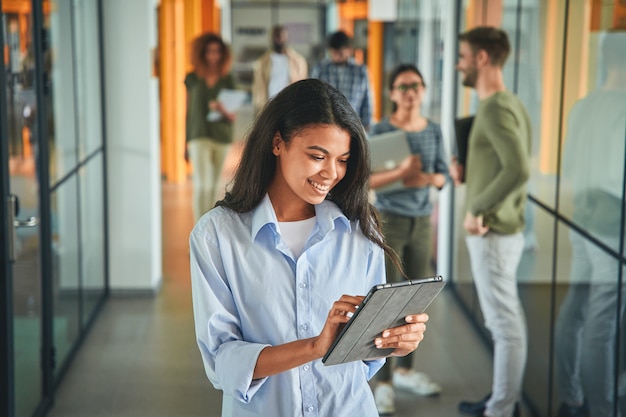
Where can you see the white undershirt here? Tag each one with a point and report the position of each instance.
(279, 75)
(295, 234)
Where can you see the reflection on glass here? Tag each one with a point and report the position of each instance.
(593, 158)
(60, 73)
(87, 80)
(585, 332)
(92, 235)
(534, 275)
(65, 267)
(593, 167)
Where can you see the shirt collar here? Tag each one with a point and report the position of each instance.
(327, 213)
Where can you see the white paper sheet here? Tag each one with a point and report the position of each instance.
(232, 100)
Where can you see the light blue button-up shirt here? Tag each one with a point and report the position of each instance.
(249, 292)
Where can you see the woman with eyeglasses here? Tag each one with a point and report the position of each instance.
(406, 211)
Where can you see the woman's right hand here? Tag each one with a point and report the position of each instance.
(338, 315)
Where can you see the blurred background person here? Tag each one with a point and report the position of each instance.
(497, 170)
(406, 212)
(342, 72)
(278, 67)
(593, 165)
(208, 139)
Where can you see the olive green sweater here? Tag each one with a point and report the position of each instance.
(199, 94)
(497, 163)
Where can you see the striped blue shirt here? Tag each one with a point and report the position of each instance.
(352, 80)
(249, 292)
(428, 143)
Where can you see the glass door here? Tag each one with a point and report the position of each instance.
(52, 191)
(21, 228)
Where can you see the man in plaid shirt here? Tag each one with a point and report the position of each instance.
(343, 73)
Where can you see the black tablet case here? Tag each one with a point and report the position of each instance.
(384, 307)
(462, 129)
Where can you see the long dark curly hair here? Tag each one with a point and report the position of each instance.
(198, 48)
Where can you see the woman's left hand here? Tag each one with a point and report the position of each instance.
(404, 339)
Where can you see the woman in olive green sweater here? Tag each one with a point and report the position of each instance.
(208, 139)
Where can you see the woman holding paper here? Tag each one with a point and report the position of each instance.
(209, 130)
(284, 259)
(406, 211)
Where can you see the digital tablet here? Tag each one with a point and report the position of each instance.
(387, 151)
(384, 307)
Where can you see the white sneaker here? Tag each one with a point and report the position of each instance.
(385, 399)
(416, 382)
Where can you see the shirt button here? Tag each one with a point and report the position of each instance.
(302, 285)
(310, 409)
(304, 326)
(306, 367)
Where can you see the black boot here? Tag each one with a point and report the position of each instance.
(477, 409)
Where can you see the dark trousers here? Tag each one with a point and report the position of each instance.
(411, 239)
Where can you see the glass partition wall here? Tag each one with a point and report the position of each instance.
(568, 65)
(53, 232)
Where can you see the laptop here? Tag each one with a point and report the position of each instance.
(387, 151)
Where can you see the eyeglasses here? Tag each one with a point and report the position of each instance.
(403, 88)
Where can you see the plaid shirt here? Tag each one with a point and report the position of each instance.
(352, 80)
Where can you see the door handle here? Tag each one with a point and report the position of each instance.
(30, 222)
(12, 206)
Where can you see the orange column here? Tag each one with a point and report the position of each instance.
(375, 65)
(16, 6)
(596, 15)
(173, 97)
(193, 26)
(350, 11)
(24, 32)
(619, 15)
(551, 82)
(480, 13)
(210, 16)
(486, 12)
(180, 21)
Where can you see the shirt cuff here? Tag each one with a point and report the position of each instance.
(234, 366)
(374, 366)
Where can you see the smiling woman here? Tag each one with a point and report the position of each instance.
(307, 168)
(271, 265)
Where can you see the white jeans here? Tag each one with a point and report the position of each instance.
(495, 258)
(207, 158)
(586, 328)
